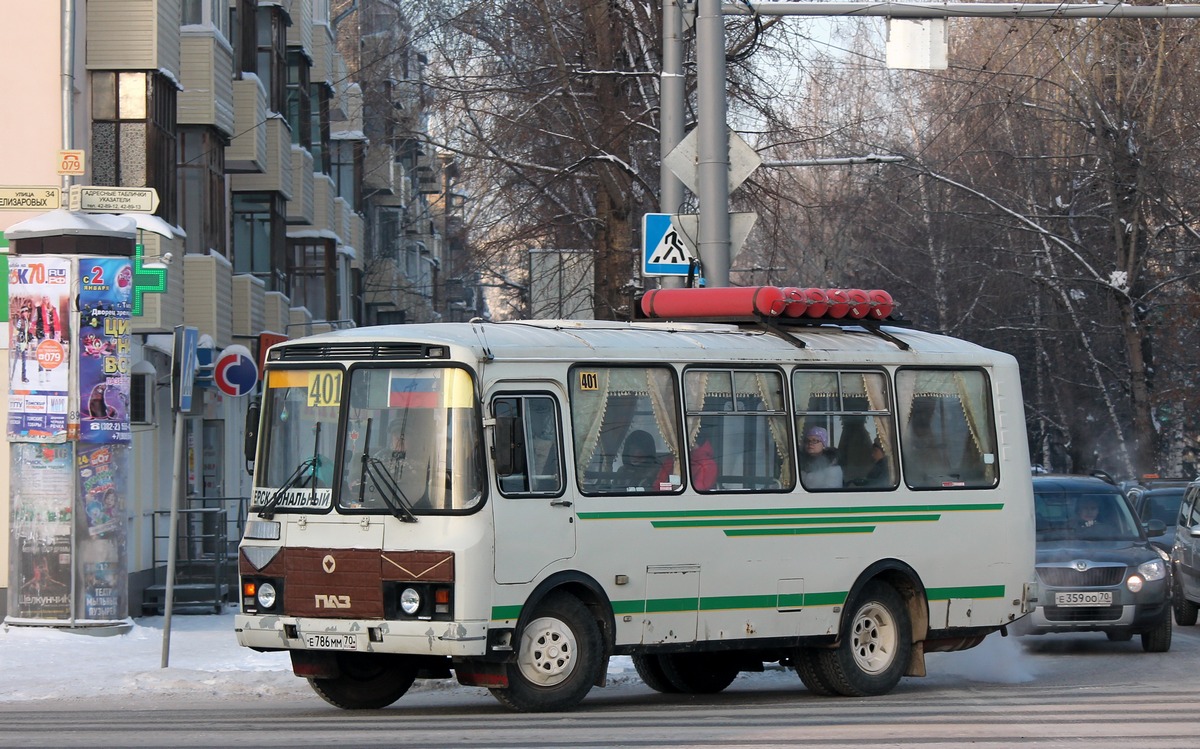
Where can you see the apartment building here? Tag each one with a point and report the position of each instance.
(295, 186)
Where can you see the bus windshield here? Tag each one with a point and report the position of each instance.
(295, 469)
(411, 442)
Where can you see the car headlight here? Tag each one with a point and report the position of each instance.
(1163, 553)
(410, 601)
(1155, 569)
(266, 595)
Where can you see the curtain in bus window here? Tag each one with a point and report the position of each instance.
(609, 404)
(948, 435)
(767, 387)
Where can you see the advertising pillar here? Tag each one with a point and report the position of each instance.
(68, 425)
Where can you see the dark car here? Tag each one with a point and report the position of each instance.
(1097, 570)
(1185, 558)
(1159, 500)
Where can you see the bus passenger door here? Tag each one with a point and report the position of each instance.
(534, 514)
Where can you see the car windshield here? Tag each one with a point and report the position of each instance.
(1084, 515)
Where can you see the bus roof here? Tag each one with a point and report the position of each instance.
(574, 340)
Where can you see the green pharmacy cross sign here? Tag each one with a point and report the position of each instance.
(145, 280)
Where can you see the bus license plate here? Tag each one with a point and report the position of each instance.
(1081, 598)
(331, 642)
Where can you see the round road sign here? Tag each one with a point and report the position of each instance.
(235, 372)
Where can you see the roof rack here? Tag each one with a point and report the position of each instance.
(775, 308)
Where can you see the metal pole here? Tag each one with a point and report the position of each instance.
(173, 535)
(671, 112)
(712, 168)
(68, 84)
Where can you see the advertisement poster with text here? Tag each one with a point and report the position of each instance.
(39, 290)
(42, 504)
(105, 287)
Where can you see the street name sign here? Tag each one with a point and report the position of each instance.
(93, 199)
(26, 198)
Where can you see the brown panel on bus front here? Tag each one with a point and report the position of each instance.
(419, 566)
(333, 583)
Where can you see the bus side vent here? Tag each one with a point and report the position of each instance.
(360, 351)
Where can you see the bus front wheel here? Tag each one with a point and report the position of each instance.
(875, 647)
(366, 681)
(559, 657)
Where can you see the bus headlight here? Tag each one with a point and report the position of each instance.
(266, 595)
(410, 601)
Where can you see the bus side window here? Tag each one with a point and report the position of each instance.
(609, 405)
(947, 434)
(527, 447)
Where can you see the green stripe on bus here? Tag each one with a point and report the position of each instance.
(798, 531)
(965, 591)
(759, 602)
(794, 521)
(744, 512)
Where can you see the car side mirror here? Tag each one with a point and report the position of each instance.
(1155, 528)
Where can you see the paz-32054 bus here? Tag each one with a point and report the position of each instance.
(513, 503)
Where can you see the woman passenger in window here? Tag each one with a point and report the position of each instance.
(818, 462)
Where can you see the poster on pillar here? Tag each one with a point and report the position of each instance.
(105, 308)
(101, 531)
(42, 500)
(39, 290)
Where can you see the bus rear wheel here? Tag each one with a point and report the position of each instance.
(699, 673)
(875, 647)
(649, 667)
(366, 681)
(559, 658)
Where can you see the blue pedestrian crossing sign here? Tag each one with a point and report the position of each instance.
(665, 249)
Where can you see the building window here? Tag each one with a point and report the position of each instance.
(212, 13)
(259, 239)
(313, 275)
(319, 101)
(133, 133)
(243, 34)
(271, 62)
(299, 103)
(202, 189)
(346, 157)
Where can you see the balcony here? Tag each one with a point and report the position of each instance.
(247, 152)
(277, 170)
(207, 79)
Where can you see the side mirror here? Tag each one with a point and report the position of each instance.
(253, 413)
(1155, 528)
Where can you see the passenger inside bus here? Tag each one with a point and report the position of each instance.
(703, 460)
(854, 449)
(818, 462)
(640, 464)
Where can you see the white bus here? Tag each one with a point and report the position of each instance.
(513, 503)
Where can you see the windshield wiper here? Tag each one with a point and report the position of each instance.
(310, 465)
(393, 496)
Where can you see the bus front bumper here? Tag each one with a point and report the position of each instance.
(274, 632)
